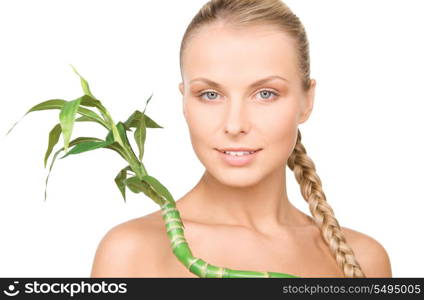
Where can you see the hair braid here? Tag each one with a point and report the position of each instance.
(311, 188)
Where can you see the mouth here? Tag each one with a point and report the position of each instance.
(238, 151)
(238, 158)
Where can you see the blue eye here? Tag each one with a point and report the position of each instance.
(269, 92)
(207, 92)
(216, 94)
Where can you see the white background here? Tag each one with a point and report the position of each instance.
(364, 135)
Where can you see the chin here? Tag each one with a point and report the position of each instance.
(237, 179)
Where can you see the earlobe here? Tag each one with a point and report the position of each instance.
(181, 88)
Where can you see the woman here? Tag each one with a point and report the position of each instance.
(246, 89)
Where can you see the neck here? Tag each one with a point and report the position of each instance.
(262, 207)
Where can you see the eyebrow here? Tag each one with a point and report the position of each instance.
(254, 84)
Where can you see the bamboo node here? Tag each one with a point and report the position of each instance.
(178, 241)
(174, 226)
(220, 272)
(204, 270)
(168, 209)
(176, 237)
(192, 261)
(172, 220)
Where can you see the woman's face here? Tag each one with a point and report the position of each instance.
(235, 112)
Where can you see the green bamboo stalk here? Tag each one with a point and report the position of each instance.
(180, 248)
(117, 140)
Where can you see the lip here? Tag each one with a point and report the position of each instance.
(238, 160)
(239, 149)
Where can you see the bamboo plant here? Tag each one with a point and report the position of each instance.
(134, 176)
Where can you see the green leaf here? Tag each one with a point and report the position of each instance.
(71, 143)
(55, 134)
(115, 145)
(90, 100)
(150, 123)
(109, 136)
(136, 185)
(67, 119)
(93, 116)
(147, 102)
(49, 104)
(50, 169)
(84, 83)
(117, 148)
(122, 133)
(119, 180)
(87, 100)
(83, 119)
(87, 146)
(140, 137)
(132, 121)
(53, 139)
(158, 187)
(58, 104)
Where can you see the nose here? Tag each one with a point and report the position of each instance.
(236, 120)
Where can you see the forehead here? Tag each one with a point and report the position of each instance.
(225, 52)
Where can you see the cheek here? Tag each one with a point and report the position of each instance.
(280, 120)
(199, 122)
(280, 129)
(201, 129)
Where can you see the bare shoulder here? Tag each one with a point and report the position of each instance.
(370, 254)
(130, 249)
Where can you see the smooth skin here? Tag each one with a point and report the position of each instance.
(238, 217)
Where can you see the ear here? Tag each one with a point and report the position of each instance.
(181, 88)
(308, 104)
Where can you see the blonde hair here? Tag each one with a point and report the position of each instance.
(239, 13)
